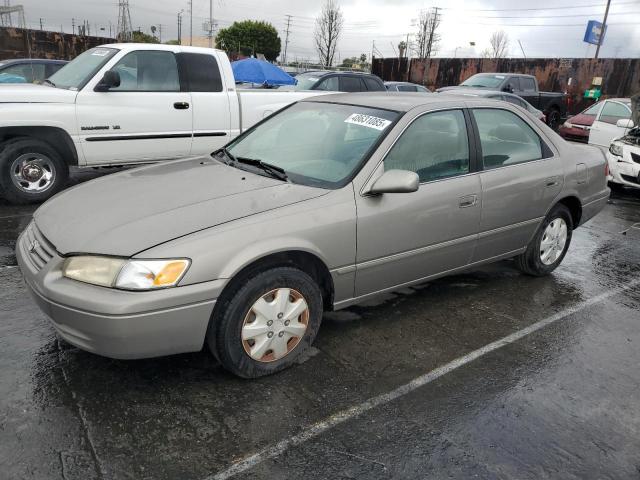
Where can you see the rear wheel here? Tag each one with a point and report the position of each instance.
(267, 323)
(549, 245)
(30, 170)
(553, 118)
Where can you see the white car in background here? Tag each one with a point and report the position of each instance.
(624, 160)
(613, 120)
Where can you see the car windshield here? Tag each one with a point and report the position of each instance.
(75, 74)
(306, 80)
(316, 144)
(483, 81)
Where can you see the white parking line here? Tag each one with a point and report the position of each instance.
(336, 419)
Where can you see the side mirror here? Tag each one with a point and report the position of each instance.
(624, 123)
(507, 88)
(396, 181)
(110, 80)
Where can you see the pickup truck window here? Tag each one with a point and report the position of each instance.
(614, 111)
(505, 138)
(483, 81)
(514, 83)
(528, 84)
(202, 71)
(317, 144)
(75, 74)
(148, 71)
(434, 146)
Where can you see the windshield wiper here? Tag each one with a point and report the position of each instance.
(273, 170)
(49, 82)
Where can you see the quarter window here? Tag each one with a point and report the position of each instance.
(202, 71)
(614, 111)
(148, 71)
(434, 146)
(505, 138)
(373, 85)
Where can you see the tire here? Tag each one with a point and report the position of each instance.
(553, 119)
(237, 313)
(49, 172)
(531, 261)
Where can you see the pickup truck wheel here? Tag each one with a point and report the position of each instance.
(549, 245)
(553, 119)
(30, 171)
(267, 323)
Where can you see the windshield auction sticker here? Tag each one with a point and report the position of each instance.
(100, 53)
(368, 121)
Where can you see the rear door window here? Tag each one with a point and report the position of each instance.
(330, 84)
(351, 84)
(202, 72)
(505, 138)
(407, 88)
(373, 85)
(528, 84)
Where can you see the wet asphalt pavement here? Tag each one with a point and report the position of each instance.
(559, 398)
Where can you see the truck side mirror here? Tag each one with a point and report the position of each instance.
(507, 88)
(110, 80)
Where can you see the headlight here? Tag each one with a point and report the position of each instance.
(616, 149)
(125, 274)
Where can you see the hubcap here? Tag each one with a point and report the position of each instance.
(275, 324)
(33, 172)
(553, 241)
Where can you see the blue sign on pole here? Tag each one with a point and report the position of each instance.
(594, 32)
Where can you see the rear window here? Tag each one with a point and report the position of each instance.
(202, 71)
(372, 84)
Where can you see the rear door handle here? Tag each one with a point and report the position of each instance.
(181, 105)
(468, 201)
(552, 182)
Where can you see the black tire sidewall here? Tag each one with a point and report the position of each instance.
(554, 119)
(533, 254)
(229, 347)
(10, 151)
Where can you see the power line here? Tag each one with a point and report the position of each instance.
(540, 8)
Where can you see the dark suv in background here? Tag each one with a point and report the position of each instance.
(339, 81)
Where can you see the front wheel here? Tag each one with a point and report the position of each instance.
(267, 323)
(549, 245)
(30, 171)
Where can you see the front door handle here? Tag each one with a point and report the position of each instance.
(181, 105)
(468, 201)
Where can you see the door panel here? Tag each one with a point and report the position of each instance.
(404, 237)
(146, 118)
(518, 184)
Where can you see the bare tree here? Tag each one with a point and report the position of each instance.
(499, 45)
(427, 38)
(327, 31)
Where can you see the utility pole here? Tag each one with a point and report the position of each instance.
(160, 32)
(523, 54)
(180, 27)
(286, 41)
(125, 28)
(210, 33)
(604, 26)
(73, 26)
(41, 24)
(191, 22)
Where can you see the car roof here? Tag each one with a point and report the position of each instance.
(321, 73)
(473, 92)
(402, 83)
(387, 100)
(15, 61)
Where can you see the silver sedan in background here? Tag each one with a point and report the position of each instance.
(322, 205)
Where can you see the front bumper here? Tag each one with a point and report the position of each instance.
(623, 171)
(115, 323)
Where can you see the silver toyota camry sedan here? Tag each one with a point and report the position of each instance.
(324, 204)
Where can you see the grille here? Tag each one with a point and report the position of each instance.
(629, 178)
(37, 248)
(635, 157)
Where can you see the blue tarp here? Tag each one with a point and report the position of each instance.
(252, 70)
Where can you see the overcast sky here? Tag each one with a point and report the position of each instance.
(545, 28)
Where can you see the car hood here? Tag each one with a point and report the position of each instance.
(132, 211)
(580, 119)
(30, 93)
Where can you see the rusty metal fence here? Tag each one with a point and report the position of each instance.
(620, 76)
(26, 43)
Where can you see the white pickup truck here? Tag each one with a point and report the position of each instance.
(123, 104)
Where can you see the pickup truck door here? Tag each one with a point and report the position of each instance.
(604, 128)
(529, 91)
(211, 104)
(146, 118)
